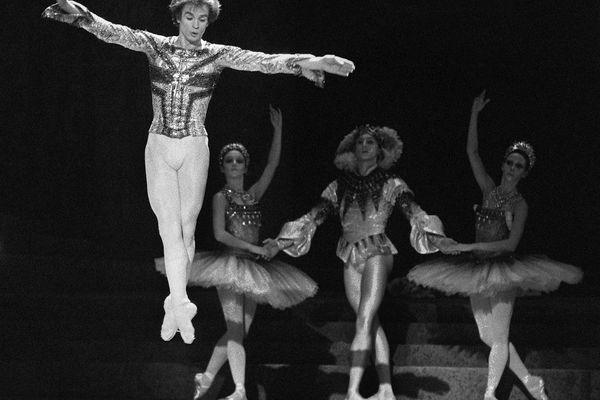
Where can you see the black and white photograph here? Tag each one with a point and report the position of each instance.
(293, 200)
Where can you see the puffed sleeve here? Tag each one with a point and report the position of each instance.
(425, 228)
(106, 31)
(296, 236)
(246, 60)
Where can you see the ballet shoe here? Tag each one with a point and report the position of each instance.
(184, 313)
(202, 384)
(169, 325)
(239, 394)
(535, 386)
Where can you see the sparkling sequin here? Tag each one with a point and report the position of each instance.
(242, 216)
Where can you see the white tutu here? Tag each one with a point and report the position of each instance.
(272, 282)
(468, 275)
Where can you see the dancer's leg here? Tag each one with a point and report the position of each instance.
(238, 312)
(192, 182)
(163, 193)
(219, 354)
(493, 315)
(368, 288)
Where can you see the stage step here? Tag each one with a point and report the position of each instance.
(67, 341)
(162, 381)
(288, 352)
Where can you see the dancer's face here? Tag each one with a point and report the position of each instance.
(514, 167)
(193, 22)
(366, 148)
(234, 164)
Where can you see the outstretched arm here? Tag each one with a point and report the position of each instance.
(484, 181)
(75, 14)
(307, 65)
(260, 187)
(427, 231)
(222, 236)
(296, 236)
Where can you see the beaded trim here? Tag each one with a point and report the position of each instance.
(352, 187)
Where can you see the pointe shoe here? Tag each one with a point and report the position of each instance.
(535, 386)
(184, 313)
(202, 383)
(239, 394)
(169, 325)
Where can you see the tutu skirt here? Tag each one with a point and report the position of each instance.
(266, 282)
(468, 275)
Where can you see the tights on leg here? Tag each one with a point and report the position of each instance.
(176, 172)
(365, 292)
(493, 315)
(239, 312)
(219, 354)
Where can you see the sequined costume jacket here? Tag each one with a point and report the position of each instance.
(364, 204)
(182, 81)
(242, 220)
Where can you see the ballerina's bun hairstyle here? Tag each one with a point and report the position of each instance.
(214, 8)
(387, 138)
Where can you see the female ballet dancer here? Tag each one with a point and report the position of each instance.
(492, 275)
(241, 277)
(184, 70)
(364, 196)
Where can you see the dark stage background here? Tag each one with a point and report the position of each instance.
(77, 112)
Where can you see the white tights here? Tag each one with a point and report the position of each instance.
(493, 315)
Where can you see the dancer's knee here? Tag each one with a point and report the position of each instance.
(235, 333)
(170, 233)
(364, 324)
(486, 337)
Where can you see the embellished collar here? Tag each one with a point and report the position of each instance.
(231, 194)
(353, 187)
(502, 199)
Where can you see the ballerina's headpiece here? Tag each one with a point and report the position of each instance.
(523, 148)
(234, 146)
(387, 138)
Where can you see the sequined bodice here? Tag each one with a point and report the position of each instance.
(182, 81)
(492, 221)
(242, 220)
(490, 224)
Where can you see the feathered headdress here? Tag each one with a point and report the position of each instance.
(387, 138)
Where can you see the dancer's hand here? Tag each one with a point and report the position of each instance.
(447, 245)
(276, 119)
(329, 63)
(479, 102)
(261, 252)
(271, 246)
(67, 6)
